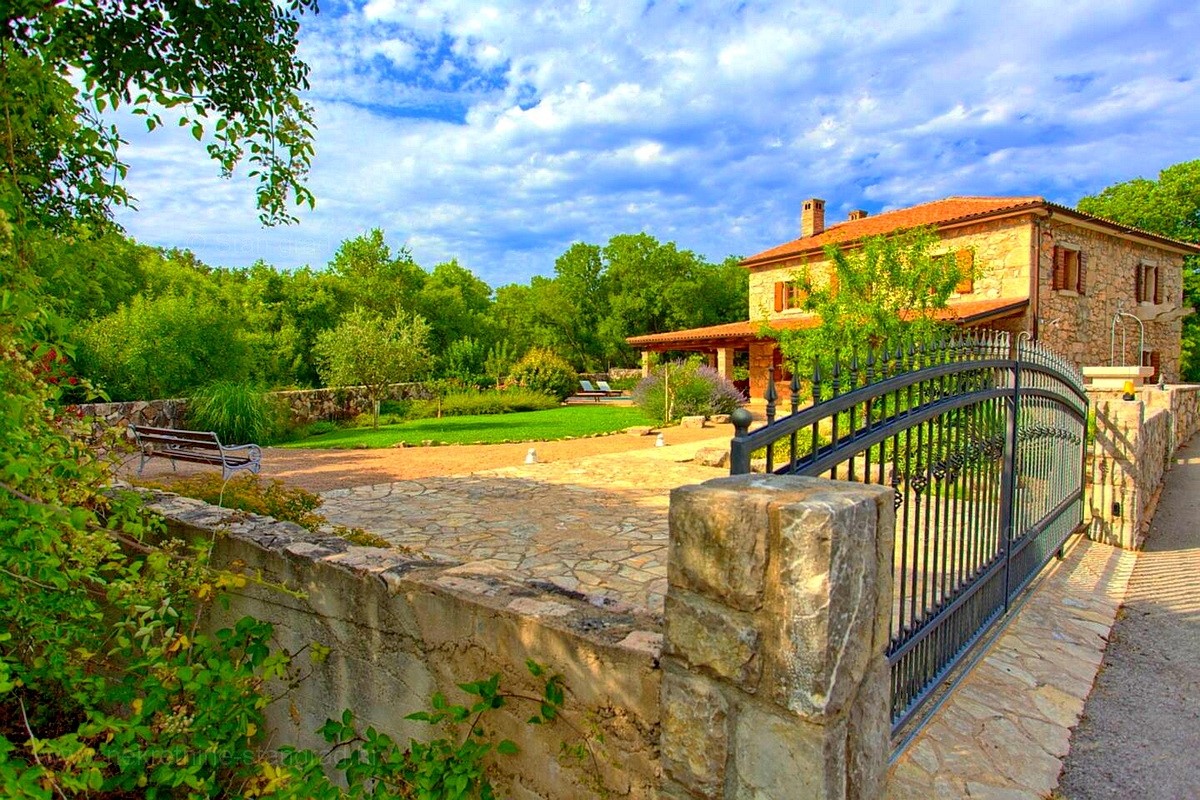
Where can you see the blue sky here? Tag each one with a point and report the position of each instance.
(498, 134)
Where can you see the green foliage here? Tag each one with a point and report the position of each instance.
(887, 290)
(227, 71)
(372, 351)
(238, 412)
(474, 403)
(463, 360)
(162, 347)
(543, 370)
(499, 361)
(563, 422)
(450, 767)
(685, 388)
(1169, 206)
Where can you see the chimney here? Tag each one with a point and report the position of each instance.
(857, 213)
(812, 217)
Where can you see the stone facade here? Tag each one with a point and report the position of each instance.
(1005, 252)
(402, 628)
(775, 681)
(1135, 442)
(1079, 327)
(1002, 256)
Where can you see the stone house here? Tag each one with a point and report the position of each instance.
(1038, 267)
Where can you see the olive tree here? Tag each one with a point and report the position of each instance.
(373, 351)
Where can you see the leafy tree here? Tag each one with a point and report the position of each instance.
(373, 277)
(457, 304)
(373, 351)
(1169, 206)
(499, 361)
(163, 347)
(463, 360)
(231, 62)
(886, 290)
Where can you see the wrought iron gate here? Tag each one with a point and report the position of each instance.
(984, 449)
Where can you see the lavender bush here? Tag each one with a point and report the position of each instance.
(681, 389)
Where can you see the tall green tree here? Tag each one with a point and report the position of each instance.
(1169, 206)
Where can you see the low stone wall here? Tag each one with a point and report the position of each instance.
(1135, 442)
(402, 628)
(304, 406)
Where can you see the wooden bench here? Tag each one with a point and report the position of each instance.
(198, 447)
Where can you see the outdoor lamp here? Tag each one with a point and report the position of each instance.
(1128, 395)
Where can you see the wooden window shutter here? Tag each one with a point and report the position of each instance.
(1139, 280)
(966, 266)
(1081, 283)
(1156, 362)
(1058, 275)
(780, 288)
(1157, 285)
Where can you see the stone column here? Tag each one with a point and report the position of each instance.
(645, 363)
(725, 362)
(1115, 493)
(775, 682)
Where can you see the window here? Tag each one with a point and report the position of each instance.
(1070, 270)
(1146, 285)
(789, 295)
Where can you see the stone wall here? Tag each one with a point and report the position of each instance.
(1079, 327)
(402, 628)
(304, 406)
(1135, 443)
(775, 681)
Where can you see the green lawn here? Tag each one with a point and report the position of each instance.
(526, 426)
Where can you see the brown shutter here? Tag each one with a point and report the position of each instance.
(1139, 283)
(1158, 284)
(1082, 284)
(1058, 274)
(779, 290)
(1156, 362)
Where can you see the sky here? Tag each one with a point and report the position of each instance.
(500, 133)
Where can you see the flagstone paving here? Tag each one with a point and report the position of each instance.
(596, 525)
(1006, 730)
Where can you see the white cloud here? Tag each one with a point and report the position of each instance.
(500, 133)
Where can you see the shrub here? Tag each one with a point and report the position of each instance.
(239, 413)
(543, 371)
(680, 389)
(468, 403)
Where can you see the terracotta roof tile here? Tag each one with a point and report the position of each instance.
(964, 312)
(938, 212)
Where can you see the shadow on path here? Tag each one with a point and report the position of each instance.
(1140, 733)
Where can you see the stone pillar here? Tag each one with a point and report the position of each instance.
(775, 682)
(1116, 494)
(762, 356)
(725, 362)
(645, 363)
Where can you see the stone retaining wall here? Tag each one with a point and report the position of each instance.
(1135, 443)
(402, 628)
(303, 405)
